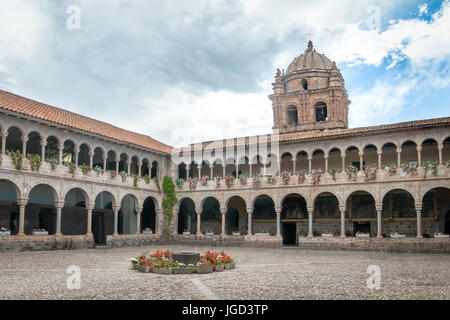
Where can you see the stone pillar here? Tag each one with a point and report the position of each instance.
(199, 217)
(76, 151)
(343, 161)
(116, 210)
(24, 140)
(58, 205)
(309, 165)
(294, 162)
(139, 168)
(150, 166)
(310, 222)
(43, 145)
(419, 156)
(174, 224)
(199, 170)
(138, 219)
(60, 154)
(117, 165)
(105, 156)
(379, 153)
(342, 209)
(440, 148)
(159, 220)
(264, 169)
(250, 167)
(211, 170)
(399, 157)
(224, 170)
(223, 211)
(237, 170)
(91, 159)
(278, 211)
(326, 163)
(361, 161)
(188, 168)
(89, 209)
(21, 202)
(4, 135)
(129, 167)
(419, 220)
(249, 216)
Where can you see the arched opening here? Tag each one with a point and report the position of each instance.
(98, 158)
(218, 168)
(51, 149)
(435, 212)
(205, 169)
(128, 215)
(335, 160)
(399, 207)
(304, 84)
(40, 212)
(155, 169)
(446, 151)
(148, 216)
(145, 170)
(244, 167)
(293, 216)
(352, 157)
(187, 217)
(272, 165)
(236, 221)
(302, 163)
(409, 153)
(321, 112)
(34, 143)
(318, 160)
(103, 217)
(182, 173)
(286, 162)
(230, 169)
(362, 211)
(370, 156)
(257, 165)
(292, 115)
(123, 163)
(389, 155)
(68, 152)
(111, 160)
(326, 214)
(14, 139)
(264, 215)
(134, 169)
(83, 155)
(430, 151)
(210, 216)
(9, 211)
(74, 214)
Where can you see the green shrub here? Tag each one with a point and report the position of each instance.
(169, 202)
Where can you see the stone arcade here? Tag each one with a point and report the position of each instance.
(79, 198)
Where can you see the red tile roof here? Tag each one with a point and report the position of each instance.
(15, 103)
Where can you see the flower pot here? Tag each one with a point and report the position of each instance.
(147, 232)
(209, 233)
(363, 235)
(181, 271)
(327, 235)
(445, 236)
(5, 233)
(40, 233)
(146, 269)
(162, 270)
(236, 234)
(219, 267)
(205, 269)
(135, 266)
(229, 266)
(186, 233)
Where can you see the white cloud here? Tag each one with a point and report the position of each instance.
(423, 9)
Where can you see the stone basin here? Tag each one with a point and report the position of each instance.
(186, 257)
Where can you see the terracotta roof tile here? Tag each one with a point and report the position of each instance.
(15, 103)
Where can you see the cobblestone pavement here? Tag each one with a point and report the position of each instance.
(259, 274)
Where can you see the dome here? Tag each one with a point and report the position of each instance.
(310, 60)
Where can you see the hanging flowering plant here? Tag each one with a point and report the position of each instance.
(430, 165)
(229, 180)
(271, 179)
(113, 173)
(447, 164)
(391, 168)
(369, 173)
(204, 180)
(192, 183)
(301, 177)
(285, 177)
(243, 179)
(179, 182)
(315, 176)
(98, 170)
(85, 168)
(256, 182)
(124, 175)
(218, 182)
(409, 168)
(72, 167)
(352, 172)
(333, 173)
(17, 158)
(53, 162)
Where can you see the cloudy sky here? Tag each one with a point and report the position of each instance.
(186, 71)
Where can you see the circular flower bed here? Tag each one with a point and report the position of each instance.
(162, 262)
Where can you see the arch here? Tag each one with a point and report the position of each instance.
(321, 112)
(370, 156)
(352, 157)
(155, 169)
(148, 215)
(294, 206)
(362, 204)
(236, 212)
(74, 214)
(302, 162)
(83, 155)
(34, 143)
(14, 139)
(51, 149)
(291, 114)
(187, 217)
(286, 162)
(264, 211)
(111, 160)
(75, 196)
(315, 195)
(210, 215)
(389, 155)
(430, 151)
(9, 215)
(69, 151)
(335, 159)
(326, 205)
(409, 153)
(40, 211)
(103, 199)
(99, 152)
(128, 214)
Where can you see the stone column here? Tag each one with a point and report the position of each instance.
(379, 209)
(188, 168)
(4, 135)
(138, 219)
(89, 209)
(326, 163)
(440, 148)
(117, 165)
(342, 209)
(139, 168)
(174, 224)
(309, 165)
(76, 151)
(237, 170)
(159, 220)
(223, 211)
(310, 222)
(211, 170)
(24, 140)
(264, 169)
(91, 159)
(419, 220)
(224, 170)
(361, 161)
(199, 217)
(294, 162)
(249, 217)
(129, 167)
(199, 170)
(419, 156)
(116, 210)
(43, 145)
(399, 157)
(60, 154)
(21, 202)
(250, 168)
(343, 161)
(150, 166)
(278, 211)
(58, 205)
(379, 153)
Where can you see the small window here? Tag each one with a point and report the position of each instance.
(321, 113)
(292, 115)
(304, 84)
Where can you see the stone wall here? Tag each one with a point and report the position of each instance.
(38, 243)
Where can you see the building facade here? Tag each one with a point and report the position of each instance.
(85, 182)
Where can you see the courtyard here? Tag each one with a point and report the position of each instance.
(286, 273)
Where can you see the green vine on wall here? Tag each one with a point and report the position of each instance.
(156, 180)
(135, 180)
(17, 158)
(169, 201)
(35, 161)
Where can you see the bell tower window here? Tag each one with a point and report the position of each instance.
(292, 115)
(304, 84)
(321, 112)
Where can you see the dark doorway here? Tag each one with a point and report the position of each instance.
(47, 220)
(98, 227)
(289, 234)
(361, 227)
(447, 223)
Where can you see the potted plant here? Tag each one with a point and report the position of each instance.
(397, 235)
(205, 268)
(192, 183)
(85, 168)
(39, 232)
(204, 181)
(98, 170)
(285, 177)
(440, 235)
(271, 180)
(352, 172)
(53, 162)
(333, 173)
(362, 234)
(123, 175)
(17, 158)
(209, 233)
(4, 231)
(256, 182)
(186, 232)
(327, 235)
(391, 168)
(235, 233)
(243, 179)
(35, 161)
(147, 231)
(301, 176)
(315, 176)
(179, 182)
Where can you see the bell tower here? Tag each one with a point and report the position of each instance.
(310, 96)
